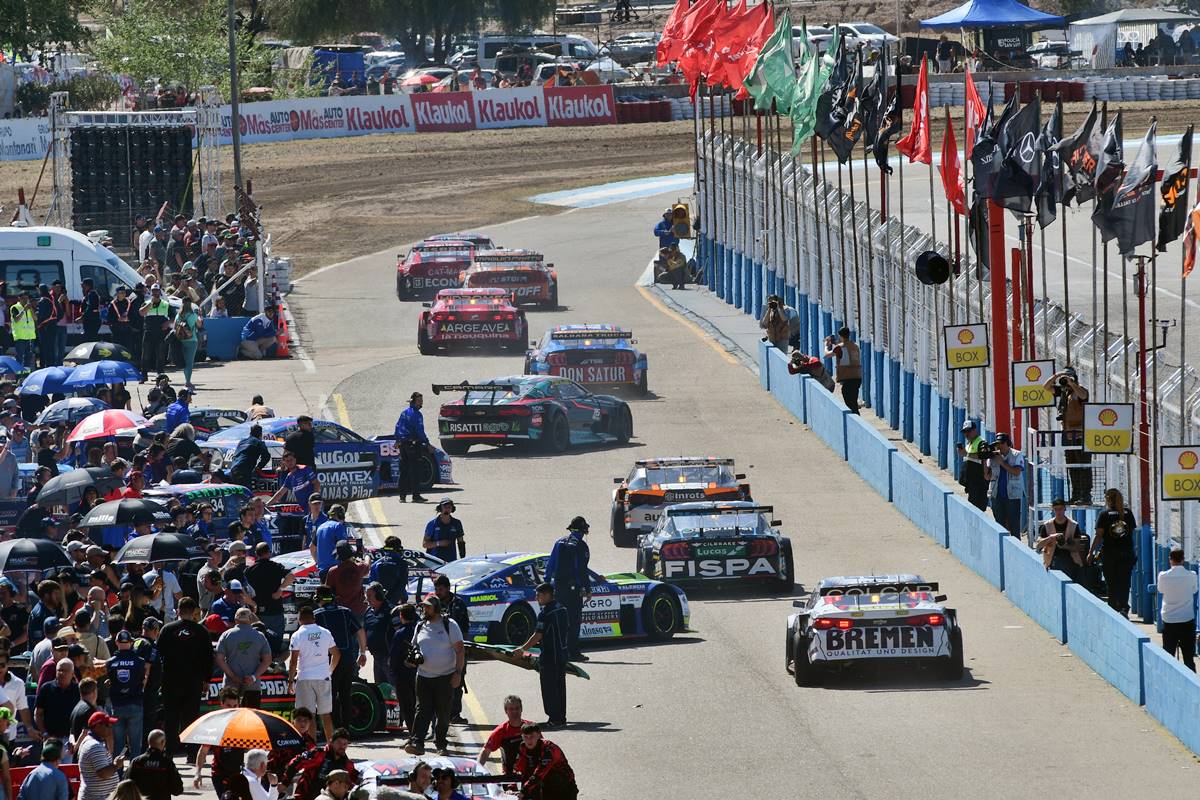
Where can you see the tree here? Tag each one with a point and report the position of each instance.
(28, 25)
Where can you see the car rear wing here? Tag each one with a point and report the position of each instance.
(563, 336)
(683, 461)
(444, 247)
(493, 388)
(885, 587)
(505, 256)
(672, 511)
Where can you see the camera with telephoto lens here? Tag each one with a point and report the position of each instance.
(986, 451)
(415, 656)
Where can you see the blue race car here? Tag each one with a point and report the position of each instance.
(206, 421)
(499, 592)
(349, 466)
(593, 355)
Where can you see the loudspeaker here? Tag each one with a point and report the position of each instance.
(932, 268)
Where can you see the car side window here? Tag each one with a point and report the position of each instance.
(327, 433)
(528, 572)
(105, 282)
(569, 391)
(539, 569)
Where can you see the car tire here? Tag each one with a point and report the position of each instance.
(954, 667)
(517, 624)
(556, 435)
(661, 616)
(645, 562)
(403, 293)
(624, 428)
(427, 471)
(620, 534)
(787, 647)
(367, 712)
(643, 386)
(787, 577)
(455, 447)
(804, 672)
(424, 346)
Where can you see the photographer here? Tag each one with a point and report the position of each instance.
(1069, 399)
(1062, 543)
(439, 657)
(1005, 471)
(803, 364)
(776, 322)
(974, 451)
(847, 366)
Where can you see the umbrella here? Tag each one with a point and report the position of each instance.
(69, 487)
(31, 555)
(242, 728)
(10, 366)
(97, 351)
(95, 372)
(126, 511)
(48, 380)
(102, 424)
(159, 547)
(70, 410)
(423, 79)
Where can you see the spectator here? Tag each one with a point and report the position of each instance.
(12, 694)
(377, 624)
(847, 366)
(226, 761)
(15, 617)
(1005, 472)
(268, 579)
(98, 772)
(260, 336)
(944, 55)
(542, 767)
(1062, 543)
(89, 692)
(445, 782)
(1115, 533)
(231, 290)
(96, 649)
(146, 648)
(56, 700)
(972, 476)
(402, 672)
(244, 655)
(312, 769)
(187, 331)
(314, 658)
(454, 608)
(1178, 586)
(351, 642)
(803, 364)
(187, 656)
(1069, 399)
(153, 772)
(390, 571)
(440, 642)
(552, 635)
(775, 322)
(506, 737)
(337, 785)
(324, 548)
(127, 676)
(232, 601)
(248, 784)
(208, 578)
(46, 781)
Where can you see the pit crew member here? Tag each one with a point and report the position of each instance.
(410, 436)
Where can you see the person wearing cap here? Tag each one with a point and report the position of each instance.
(56, 699)
(543, 767)
(208, 577)
(439, 640)
(44, 649)
(49, 604)
(1005, 471)
(972, 476)
(314, 519)
(268, 579)
(24, 328)
(390, 570)
(552, 635)
(260, 336)
(99, 772)
(444, 535)
(244, 655)
(154, 772)
(324, 546)
(233, 599)
(665, 231)
(15, 617)
(351, 642)
(1070, 398)
(567, 572)
(127, 676)
(347, 578)
(337, 785)
(90, 310)
(47, 781)
(411, 438)
(156, 322)
(231, 289)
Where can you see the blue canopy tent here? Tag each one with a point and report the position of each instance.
(977, 14)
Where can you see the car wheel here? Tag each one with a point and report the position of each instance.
(624, 431)
(556, 436)
(366, 709)
(424, 346)
(403, 293)
(953, 668)
(620, 534)
(455, 447)
(787, 647)
(787, 567)
(803, 671)
(520, 346)
(517, 624)
(552, 303)
(645, 562)
(643, 387)
(427, 471)
(660, 615)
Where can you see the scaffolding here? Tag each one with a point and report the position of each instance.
(208, 134)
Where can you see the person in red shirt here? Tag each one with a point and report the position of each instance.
(543, 769)
(137, 482)
(347, 578)
(506, 737)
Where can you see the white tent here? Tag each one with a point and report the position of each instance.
(1099, 38)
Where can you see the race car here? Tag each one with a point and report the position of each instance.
(555, 413)
(524, 273)
(715, 543)
(480, 241)
(473, 778)
(431, 266)
(499, 592)
(656, 483)
(594, 355)
(349, 466)
(872, 617)
(206, 421)
(478, 317)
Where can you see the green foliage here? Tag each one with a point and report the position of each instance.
(88, 93)
(27, 25)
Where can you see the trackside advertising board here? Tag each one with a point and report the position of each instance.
(509, 108)
(1028, 378)
(1179, 471)
(580, 105)
(1108, 427)
(444, 112)
(966, 346)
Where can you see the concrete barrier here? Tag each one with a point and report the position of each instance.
(869, 454)
(919, 496)
(1172, 694)
(1039, 593)
(765, 363)
(788, 389)
(976, 540)
(826, 416)
(1107, 642)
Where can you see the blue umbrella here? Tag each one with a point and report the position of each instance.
(48, 380)
(96, 372)
(10, 366)
(70, 410)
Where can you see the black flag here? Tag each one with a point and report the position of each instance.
(849, 125)
(1132, 212)
(1049, 188)
(888, 121)
(988, 154)
(1172, 217)
(977, 230)
(1019, 170)
(1079, 157)
(830, 102)
(870, 103)
(1109, 167)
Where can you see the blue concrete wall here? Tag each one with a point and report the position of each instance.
(869, 454)
(975, 539)
(224, 336)
(1172, 693)
(1107, 642)
(826, 416)
(919, 496)
(1034, 590)
(788, 389)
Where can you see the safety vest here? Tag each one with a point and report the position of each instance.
(161, 309)
(22, 324)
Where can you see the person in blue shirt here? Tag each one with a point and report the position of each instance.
(178, 413)
(227, 605)
(47, 781)
(567, 572)
(250, 456)
(444, 533)
(315, 518)
(324, 547)
(411, 439)
(127, 675)
(298, 483)
(665, 231)
(260, 336)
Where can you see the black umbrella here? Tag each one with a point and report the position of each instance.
(68, 488)
(159, 547)
(97, 351)
(31, 555)
(126, 511)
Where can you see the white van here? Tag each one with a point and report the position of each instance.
(573, 46)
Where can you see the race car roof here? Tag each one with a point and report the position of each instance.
(518, 384)
(467, 236)
(483, 290)
(273, 428)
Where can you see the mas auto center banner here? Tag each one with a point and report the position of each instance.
(359, 115)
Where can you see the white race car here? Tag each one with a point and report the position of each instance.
(850, 619)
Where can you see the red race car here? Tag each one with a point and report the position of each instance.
(472, 317)
(432, 265)
(524, 273)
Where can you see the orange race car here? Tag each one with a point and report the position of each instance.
(653, 484)
(524, 273)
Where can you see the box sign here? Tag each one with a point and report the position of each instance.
(1108, 428)
(966, 346)
(1179, 472)
(1028, 378)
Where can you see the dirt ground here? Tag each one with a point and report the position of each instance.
(327, 200)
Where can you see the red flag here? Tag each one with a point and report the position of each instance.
(669, 45)
(974, 111)
(951, 170)
(1189, 240)
(696, 36)
(729, 34)
(740, 61)
(917, 145)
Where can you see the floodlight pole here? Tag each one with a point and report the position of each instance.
(234, 113)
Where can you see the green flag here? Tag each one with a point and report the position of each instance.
(773, 77)
(809, 88)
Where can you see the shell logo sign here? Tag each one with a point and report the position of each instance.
(966, 346)
(1179, 471)
(1108, 428)
(1027, 388)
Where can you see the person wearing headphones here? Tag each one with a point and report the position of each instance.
(444, 533)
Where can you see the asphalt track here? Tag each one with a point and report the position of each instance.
(713, 712)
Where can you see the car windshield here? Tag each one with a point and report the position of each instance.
(296, 560)
(469, 570)
(721, 524)
(690, 473)
(867, 28)
(906, 599)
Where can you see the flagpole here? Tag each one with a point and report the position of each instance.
(1031, 335)
(696, 127)
(1154, 431)
(817, 233)
(1125, 322)
(902, 323)
(1066, 278)
(782, 200)
(875, 341)
(845, 309)
(857, 259)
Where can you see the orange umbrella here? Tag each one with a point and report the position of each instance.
(243, 728)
